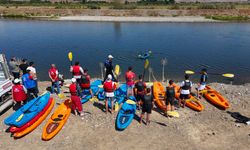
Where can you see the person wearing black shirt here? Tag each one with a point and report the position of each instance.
(147, 104)
(24, 66)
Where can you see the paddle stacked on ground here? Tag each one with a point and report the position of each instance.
(57, 120)
(126, 114)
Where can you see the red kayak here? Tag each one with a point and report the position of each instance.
(14, 129)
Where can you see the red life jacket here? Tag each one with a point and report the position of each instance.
(76, 70)
(52, 72)
(109, 86)
(73, 89)
(18, 93)
(85, 82)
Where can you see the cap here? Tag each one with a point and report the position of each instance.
(110, 56)
(73, 80)
(16, 80)
(110, 77)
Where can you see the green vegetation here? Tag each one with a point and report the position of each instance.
(229, 18)
(15, 16)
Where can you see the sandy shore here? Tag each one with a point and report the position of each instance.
(211, 129)
(135, 19)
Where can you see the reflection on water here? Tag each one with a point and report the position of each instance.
(220, 47)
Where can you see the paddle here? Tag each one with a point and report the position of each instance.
(146, 64)
(117, 71)
(227, 75)
(70, 56)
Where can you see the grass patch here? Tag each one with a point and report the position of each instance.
(229, 18)
(22, 16)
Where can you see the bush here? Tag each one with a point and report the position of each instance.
(93, 6)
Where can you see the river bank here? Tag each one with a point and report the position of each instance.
(210, 129)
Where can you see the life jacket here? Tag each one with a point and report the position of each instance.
(140, 86)
(85, 82)
(73, 89)
(53, 73)
(130, 78)
(18, 93)
(187, 85)
(147, 100)
(76, 71)
(203, 79)
(28, 82)
(170, 92)
(109, 86)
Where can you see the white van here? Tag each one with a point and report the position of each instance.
(5, 84)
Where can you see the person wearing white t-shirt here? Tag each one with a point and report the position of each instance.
(186, 86)
(33, 72)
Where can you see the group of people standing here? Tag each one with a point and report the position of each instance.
(80, 86)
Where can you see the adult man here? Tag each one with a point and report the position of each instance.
(30, 84)
(77, 71)
(33, 74)
(140, 89)
(186, 86)
(14, 68)
(23, 66)
(53, 75)
(109, 68)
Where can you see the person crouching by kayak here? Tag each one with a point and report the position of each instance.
(170, 96)
(76, 100)
(203, 81)
(30, 84)
(85, 83)
(186, 86)
(109, 68)
(130, 81)
(77, 71)
(147, 105)
(139, 90)
(109, 87)
(19, 93)
(53, 75)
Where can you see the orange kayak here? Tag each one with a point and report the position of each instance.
(35, 124)
(159, 95)
(57, 120)
(192, 102)
(216, 98)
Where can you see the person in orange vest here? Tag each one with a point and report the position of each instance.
(77, 71)
(85, 83)
(130, 81)
(19, 93)
(76, 100)
(53, 75)
(109, 87)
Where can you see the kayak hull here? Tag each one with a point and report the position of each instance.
(159, 96)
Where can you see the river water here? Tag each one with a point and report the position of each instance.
(220, 47)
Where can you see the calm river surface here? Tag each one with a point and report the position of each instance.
(220, 47)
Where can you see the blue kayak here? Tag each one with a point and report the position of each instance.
(85, 98)
(125, 115)
(122, 90)
(28, 111)
(95, 86)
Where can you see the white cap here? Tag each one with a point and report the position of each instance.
(16, 80)
(73, 80)
(109, 77)
(110, 56)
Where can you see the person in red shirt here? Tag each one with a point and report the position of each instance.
(19, 93)
(76, 100)
(85, 83)
(53, 75)
(130, 81)
(77, 71)
(109, 87)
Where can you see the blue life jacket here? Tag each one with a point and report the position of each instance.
(108, 65)
(27, 82)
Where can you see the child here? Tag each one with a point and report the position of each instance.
(19, 93)
(140, 88)
(203, 81)
(170, 96)
(109, 88)
(147, 104)
(76, 100)
(186, 86)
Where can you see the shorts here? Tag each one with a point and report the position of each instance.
(201, 87)
(109, 99)
(109, 94)
(139, 97)
(170, 101)
(184, 96)
(147, 109)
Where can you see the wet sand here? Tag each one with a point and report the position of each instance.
(211, 129)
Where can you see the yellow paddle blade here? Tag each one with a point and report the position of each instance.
(19, 118)
(189, 72)
(173, 114)
(146, 64)
(116, 106)
(70, 55)
(100, 86)
(130, 102)
(94, 99)
(228, 75)
(117, 70)
(61, 96)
